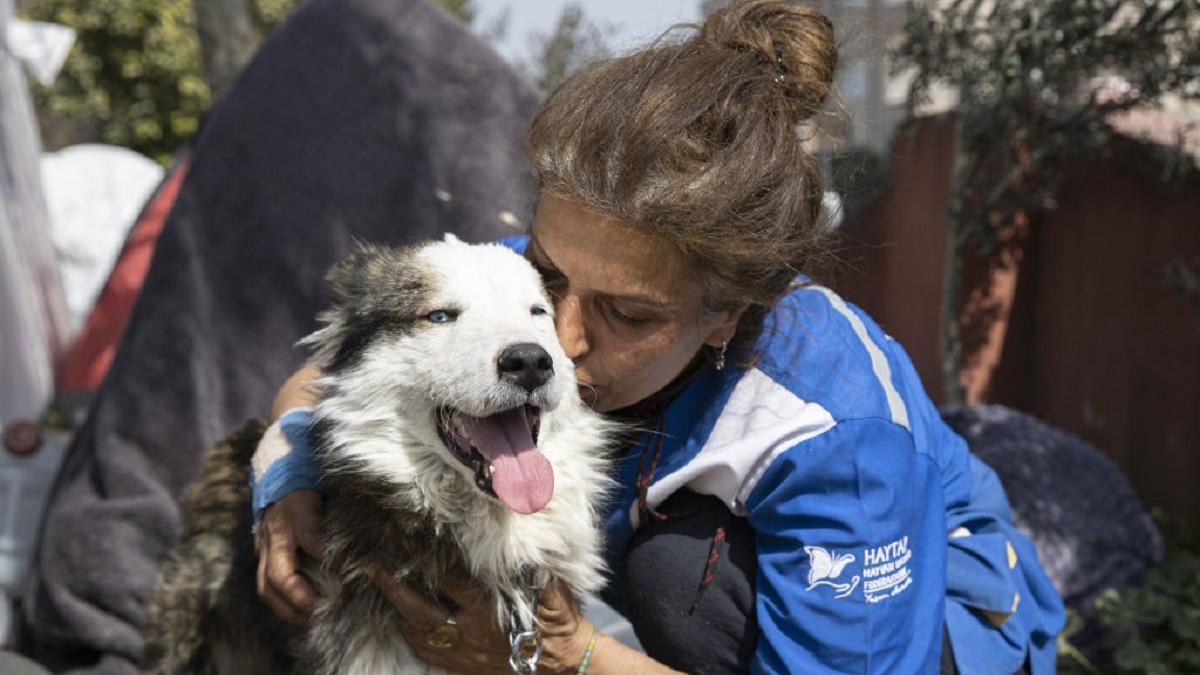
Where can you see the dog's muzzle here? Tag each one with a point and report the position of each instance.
(526, 365)
(501, 451)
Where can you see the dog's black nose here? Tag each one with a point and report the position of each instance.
(526, 365)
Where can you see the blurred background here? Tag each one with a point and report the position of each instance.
(1015, 188)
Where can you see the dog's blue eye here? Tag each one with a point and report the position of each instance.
(441, 316)
(538, 310)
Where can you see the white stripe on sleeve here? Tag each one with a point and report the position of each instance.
(761, 421)
(879, 362)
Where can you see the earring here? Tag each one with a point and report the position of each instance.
(720, 365)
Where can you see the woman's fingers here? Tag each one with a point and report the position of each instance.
(558, 601)
(278, 604)
(290, 524)
(464, 591)
(460, 658)
(305, 507)
(477, 645)
(283, 574)
(417, 609)
(312, 542)
(565, 630)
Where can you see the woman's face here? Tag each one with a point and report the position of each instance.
(630, 311)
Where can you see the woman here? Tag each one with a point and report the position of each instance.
(797, 504)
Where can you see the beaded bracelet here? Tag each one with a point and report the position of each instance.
(587, 654)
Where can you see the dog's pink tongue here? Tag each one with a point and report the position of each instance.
(523, 478)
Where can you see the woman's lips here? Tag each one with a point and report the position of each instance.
(588, 393)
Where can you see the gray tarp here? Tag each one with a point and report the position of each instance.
(33, 317)
(384, 121)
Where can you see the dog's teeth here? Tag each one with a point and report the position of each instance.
(491, 470)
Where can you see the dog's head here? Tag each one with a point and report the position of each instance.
(452, 348)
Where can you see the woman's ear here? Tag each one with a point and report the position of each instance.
(726, 325)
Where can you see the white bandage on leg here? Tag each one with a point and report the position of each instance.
(273, 446)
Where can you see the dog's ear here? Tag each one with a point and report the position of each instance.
(348, 275)
(348, 279)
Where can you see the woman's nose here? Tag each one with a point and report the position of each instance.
(568, 321)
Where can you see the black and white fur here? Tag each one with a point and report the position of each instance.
(397, 498)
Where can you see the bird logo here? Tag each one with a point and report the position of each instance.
(824, 566)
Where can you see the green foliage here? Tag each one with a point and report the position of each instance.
(463, 9)
(576, 42)
(1152, 627)
(133, 77)
(1070, 660)
(1155, 628)
(1037, 83)
(268, 14)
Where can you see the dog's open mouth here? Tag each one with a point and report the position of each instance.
(502, 451)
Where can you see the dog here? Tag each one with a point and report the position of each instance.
(449, 434)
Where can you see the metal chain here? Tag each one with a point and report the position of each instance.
(525, 642)
(526, 650)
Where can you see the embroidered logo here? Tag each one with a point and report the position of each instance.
(825, 566)
(886, 570)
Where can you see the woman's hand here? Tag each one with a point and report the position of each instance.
(299, 391)
(482, 646)
(290, 524)
(565, 630)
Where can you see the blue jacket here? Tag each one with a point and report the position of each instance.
(875, 526)
(853, 484)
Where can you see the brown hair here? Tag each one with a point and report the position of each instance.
(695, 141)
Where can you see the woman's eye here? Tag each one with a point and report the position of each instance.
(537, 310)
(555, 287)
(551, 278)
(626, 319)
(441, 316)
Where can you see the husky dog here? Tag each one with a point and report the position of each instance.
(449, 433)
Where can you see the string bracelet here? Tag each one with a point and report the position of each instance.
(587, 653)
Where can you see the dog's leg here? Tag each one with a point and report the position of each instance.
(205, 617)
(189, 579)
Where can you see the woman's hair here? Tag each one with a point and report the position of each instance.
(695, 141)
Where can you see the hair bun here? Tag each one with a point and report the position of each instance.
(794, 45)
